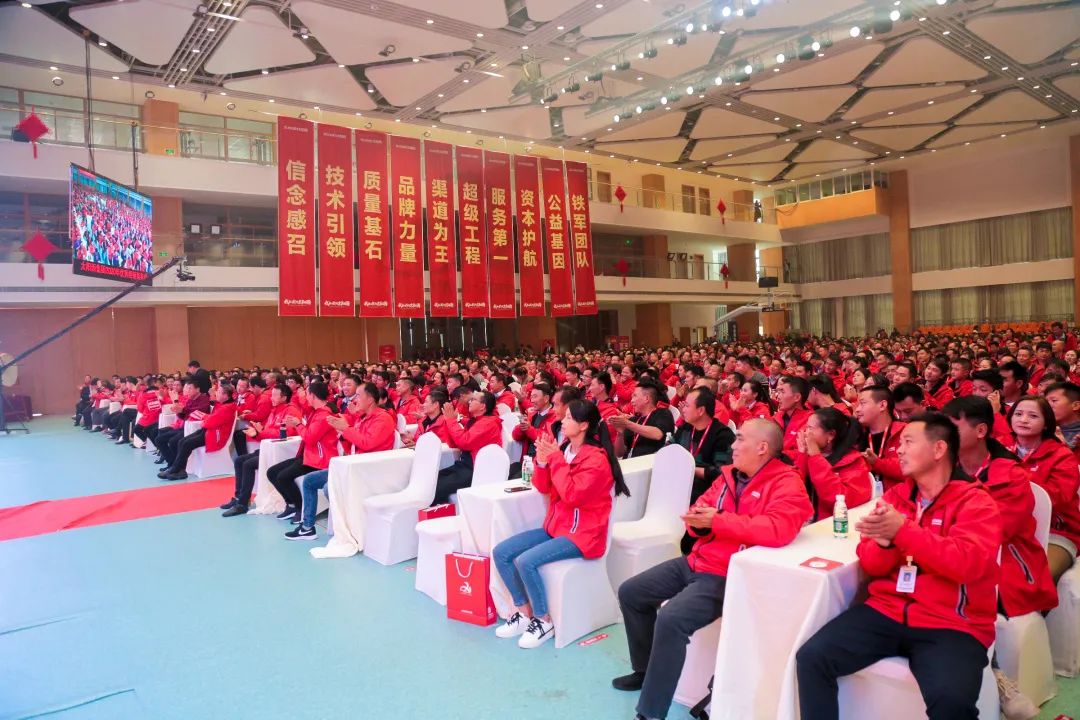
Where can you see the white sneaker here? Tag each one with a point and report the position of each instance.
(1014, 704)
(538, 633)
(512, 627)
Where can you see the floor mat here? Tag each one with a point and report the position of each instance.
(49, 516)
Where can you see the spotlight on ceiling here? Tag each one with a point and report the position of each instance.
(230, 106)
(149, 94)
(58, 81)
(388, 51)
(780, 58)
(647, 53)
(855, 31)
(621, 65)
(594, 77)
(894, 15)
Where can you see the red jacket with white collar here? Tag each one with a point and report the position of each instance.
(887, 465)
(276, 418)
(1026, 585)
(954, 546)
(939, 396)
(538, 425)
(437, 426)
(149, 405)
(1053, 467)
(410, 408)
(791, 427)
(218, 425)
(580, 492)
(770, 511)
(373, 431)
(477, 433)
(319, 441)
(759, 410)
(506, 398)
(849, 477)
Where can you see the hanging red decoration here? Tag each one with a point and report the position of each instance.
(725, 271)
(623, 268)
(620, 195)
(29, 129)
(39, 248)
(721, 206)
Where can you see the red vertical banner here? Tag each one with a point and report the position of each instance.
(296, 217)
(474, 275)
(442, 238)
(337, 279)
(577, 188)
(530, 255)
(374, 249)
(560, 259)
(501, 300)
(408, 227)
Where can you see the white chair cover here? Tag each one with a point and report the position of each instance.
(671, 392)
(641, 544)
(699, 666)
(1043, 510)
(675, 414)
(512, 447)
(441, 536)
(502, 409)
(115, 406)
(401, 423)
(268, 500)
(390, 535)
(203, 464)
(1063, 624)
(136, 441)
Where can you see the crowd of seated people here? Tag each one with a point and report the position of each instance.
(943, 434)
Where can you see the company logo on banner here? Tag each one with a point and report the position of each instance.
(337, 279)
(296, 217)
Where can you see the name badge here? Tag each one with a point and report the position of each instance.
(755, 494)
(905, 581)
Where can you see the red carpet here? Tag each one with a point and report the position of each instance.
(50, 516)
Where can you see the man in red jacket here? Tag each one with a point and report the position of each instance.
(537, 422)
(407, 404)
(214, 434)
(318, 443)
(791, 414)
(246, 466)
(757, 500)
(483, 428)
(881, 434)
(930, 549)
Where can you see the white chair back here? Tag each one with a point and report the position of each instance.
(670, 486)
(502, 409)
(675, 414)
(731, 424)
(1043, 510)
(492, 466)
(509, 422)
(670, 392)
(401, 422)
(425, 467)
(398, 442)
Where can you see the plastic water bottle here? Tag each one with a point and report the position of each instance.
(282, 432)
(527, 470)
(877, 488)
(840, 518)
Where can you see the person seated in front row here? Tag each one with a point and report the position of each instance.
(757, 500)
(149, 408)
(246, 467)
(830, 463)
(708, 440)
(318, 443)
(646, 431)
(930, 548)
(482, 428)
(578, 477)
(194, 399)
(372, 431)
(1053, 468)
(431, 417)
(213, 435)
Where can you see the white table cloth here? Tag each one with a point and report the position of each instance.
(166, 418)
(353, 479)
(268, 500)
(772, 605)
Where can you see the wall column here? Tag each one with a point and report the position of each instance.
(1074, 183)
(161, 127)
(900, 245)
(740, 261)
(744, 205)
(172, 344)
(656, 256)
(653, 192)
(653, 324)
(168, 225)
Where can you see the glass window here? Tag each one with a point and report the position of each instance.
(704, 202)
(210, 121)
(804, 192)
(815, 190)
(9, 95)
(118, 109)
(48, 100)
(827, 187)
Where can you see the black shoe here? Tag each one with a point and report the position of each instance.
(295, 519)
(301, 533)
(163, 472)
(229, 505)
(176, 475)
(235, 510)
(288, 513)
(122, 441)
(96, 430)
(160, 461)
(633, 681)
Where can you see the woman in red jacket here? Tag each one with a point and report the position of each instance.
(830, 463)
(753, 402)
(319, 443)
(1053, 468)
(215, 433)
(578, 478)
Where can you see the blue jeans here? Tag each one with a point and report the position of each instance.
(518, 560)
(312, 482)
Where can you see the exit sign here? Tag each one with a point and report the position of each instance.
(163, 254)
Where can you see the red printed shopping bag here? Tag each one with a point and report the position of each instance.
(468, 597)
(436, 511)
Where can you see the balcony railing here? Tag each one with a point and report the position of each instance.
(681, 202)
(676, 269)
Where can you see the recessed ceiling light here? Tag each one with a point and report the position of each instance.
(479, 34)
(1035, 87)
(483, 110)
(560, 27)
(341, 65)
(211, 29)
(183, 69)
(946, 32)
(430, 21)
(225, 93)
(640, 78)
(419, 108)
(271, 100)
(1002, 134)
(53, 68)
(416, 59)
(599, 6)
(1020, 79)
(1049, 96)
(798, 125)
(196, 50)
(172, 86)
(968, 143)
(776, 118)
(315, 107)
(566, 58)
(397, 119)
(524, 47)
(359, 114)
(115, 77)
(1003, 69)
(854, 122)
(929, 102)
(102, 43)
(265, 72)
(1042, 127)
(466, 81)
(974, 90)
(986, 57)
(27, 5)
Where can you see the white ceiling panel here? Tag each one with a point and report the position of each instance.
(900, 138)
(796, 13)
(485, 13)
(666, 125)
(486, 92)
(773, 154)
(355, 39)
(923, 60)
(763, 171)
(655, 150)
(837, 69)
(876, 101)
(1011, 106)
(829, 150)
(1029, 37)
(753, 43)
(32, 34)
(1069, 84)
(262, 40)
(712, 148)
(715, 122)
(322, 85)
(125, 24)
(405, 83)
(936, 113)
(532, 122)
(578, 122)
(544, 10)
(810, 105)
(629, 19)
(803, 170)
(979, 132)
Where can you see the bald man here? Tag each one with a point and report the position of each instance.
(757, 500)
